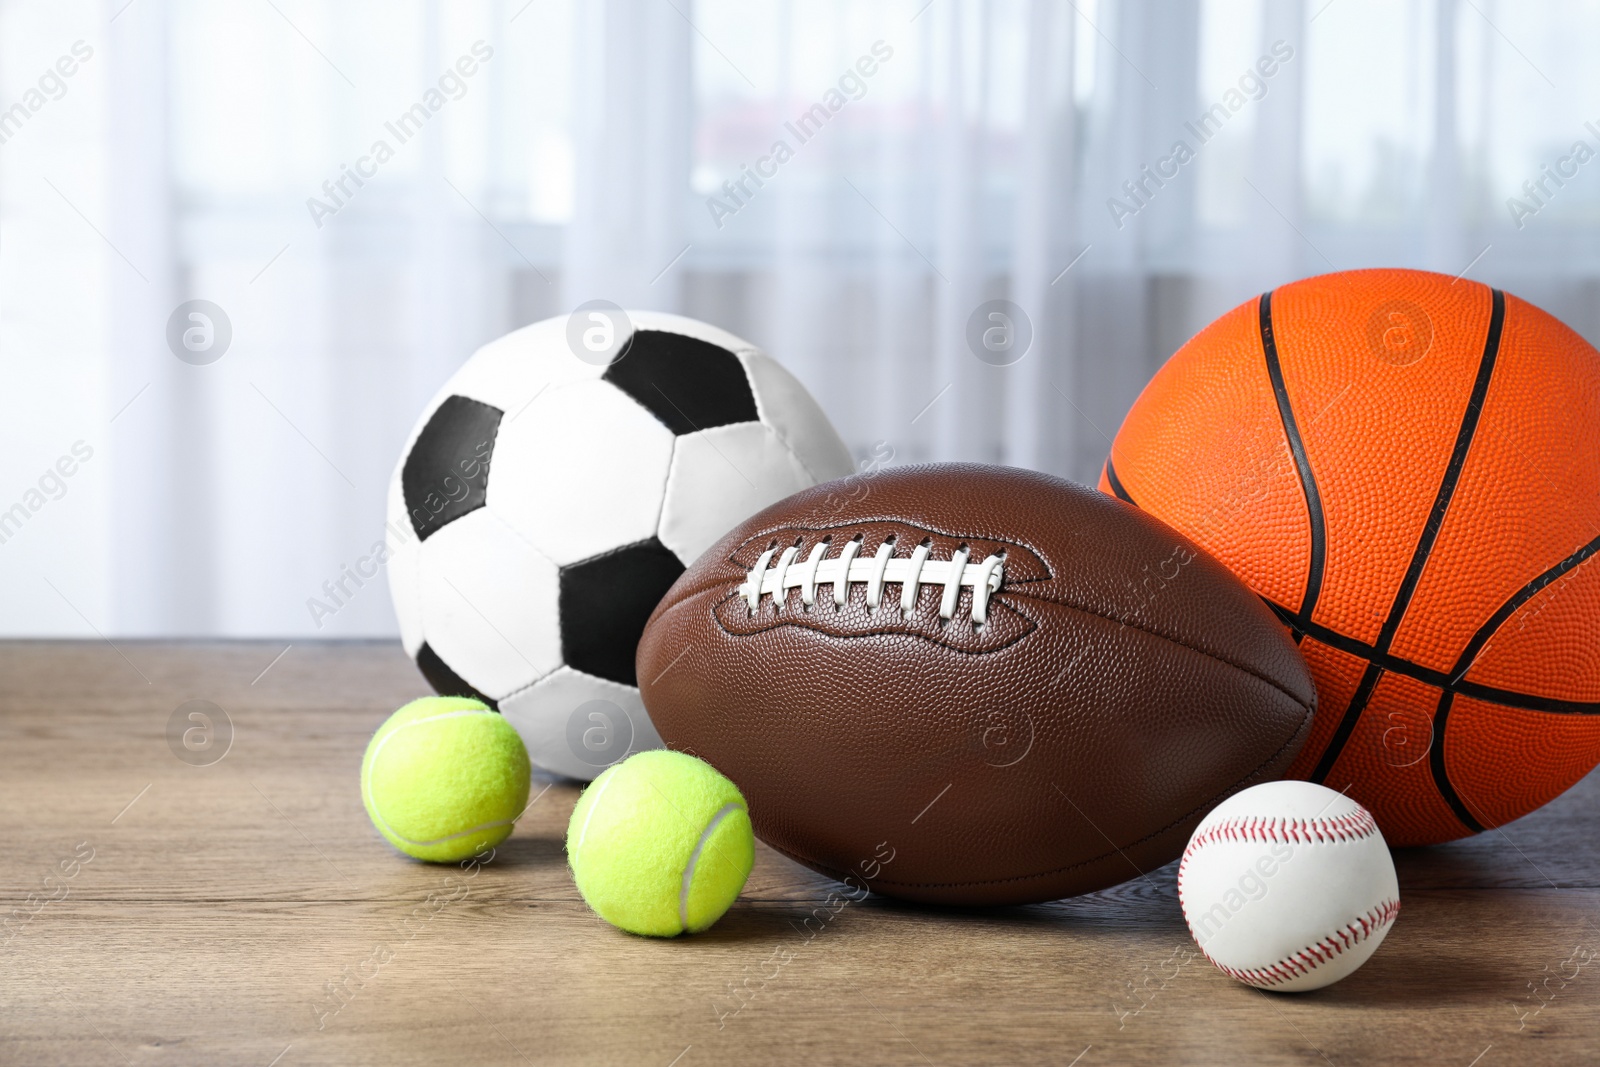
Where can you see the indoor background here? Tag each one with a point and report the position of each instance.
(158, 152)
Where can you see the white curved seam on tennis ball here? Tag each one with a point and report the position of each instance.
(700, 846)
(366, 780)
(452, 837)
(593, 805)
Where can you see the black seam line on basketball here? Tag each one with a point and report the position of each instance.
(1441, 776)
(1117, 488)
(1517, 599)
(1452, 472)
(1308, 481)
(1116, 850)
(1438, 679)
(1441, 773)
(1286, 617)
(1347, 725)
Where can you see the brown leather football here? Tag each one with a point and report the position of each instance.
(972, 685)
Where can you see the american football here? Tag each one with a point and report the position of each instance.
(972, 685)
(704, 534)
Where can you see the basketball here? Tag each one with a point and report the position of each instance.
(1403, 465)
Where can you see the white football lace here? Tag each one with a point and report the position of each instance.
(844, 570)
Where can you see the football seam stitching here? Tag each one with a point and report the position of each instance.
(1306, 960)
(1033, 625)
(1242, 669)
(1050, 575)
(705, 584)
(1116, 850)
(1023, 594)
(865, 520)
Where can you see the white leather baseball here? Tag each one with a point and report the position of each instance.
(1288, 886)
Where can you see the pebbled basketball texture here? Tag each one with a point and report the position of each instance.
(1122, 683)
(1404, 465)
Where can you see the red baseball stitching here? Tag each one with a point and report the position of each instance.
(1313, 956)
(1355, 826)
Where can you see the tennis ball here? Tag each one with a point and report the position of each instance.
(661, 844)
(445, 778)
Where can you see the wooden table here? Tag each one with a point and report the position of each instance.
(246, 912)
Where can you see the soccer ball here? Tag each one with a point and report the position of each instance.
(552, 492)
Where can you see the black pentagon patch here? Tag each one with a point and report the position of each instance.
(446, 682)
(446, 475)
(687, 383)
(605, 602)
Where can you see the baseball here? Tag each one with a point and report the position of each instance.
(1288, 886)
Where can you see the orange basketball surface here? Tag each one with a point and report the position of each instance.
(1405, 466)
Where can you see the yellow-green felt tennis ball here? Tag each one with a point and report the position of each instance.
(661, 844)
(445, 778)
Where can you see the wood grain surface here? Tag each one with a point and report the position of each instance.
(246, 912)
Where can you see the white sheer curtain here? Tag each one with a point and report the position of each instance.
(939, 155)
